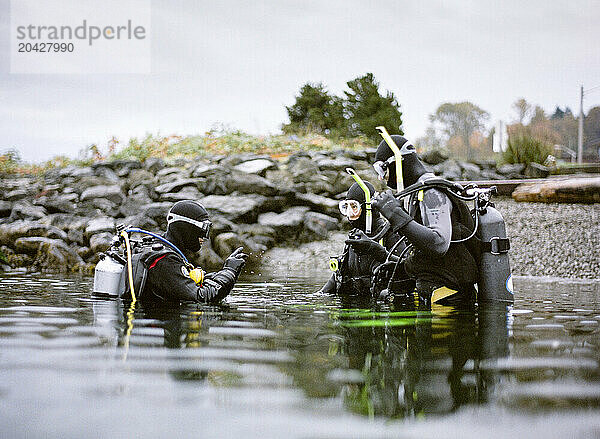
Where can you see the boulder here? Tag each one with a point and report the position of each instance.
(319, 223)
(50, 254)
(25, 210)
(76, 236)
(98, 225)
(187, 193)
(257, 166)
(287, 225)
(139, 177)
(100, 242)
(336, 164)
(106, 173)
(176, 186)
(221, 225)
(225, 243)
(510, 170)
(207, 258)
(156, 211)
(207, 169)
(5, 208)
(124, 167)
(470, 171)
(434, 156)
(112, 193)
(168, 173)
(139, 221)
(154, 164)
(250, 184)
(58, 203)
(535, 170)
(15, 195)
(450, 170)
(318, 203)
(243, 208)
(302, 169)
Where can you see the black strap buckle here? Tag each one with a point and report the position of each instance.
(497, 246)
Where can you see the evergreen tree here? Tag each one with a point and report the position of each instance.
(365, 108)
(315, 110)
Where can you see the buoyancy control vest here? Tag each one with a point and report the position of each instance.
(353, 272)
(142, 260)
(458, 267)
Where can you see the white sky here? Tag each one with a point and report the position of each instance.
(240, 62)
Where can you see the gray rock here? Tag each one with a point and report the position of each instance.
(5, 208)
(76, 172)
(157, 212)
(168, 172)
(51, 254)
(450, 170)
(58, 204)
(221, 225)
(67, 221)
(124, 167)
(225, 243)
(302, 169)
(336, 164)
(208, 259)
(434, 156)
(243, 208)
(535, 170)
(25, 210)
(250, 184)
(176, 185)
(470, 171)
(17, 194)
(187, 193)
(107, 173)
(139, 177)
(76, 236)
(488, 174)
(257, 166)
(100, 242)
(97, 207)
(98, 225)
(139, 221)
(320, 223)
(511, 169)
(154, 164)
(207, 169)
(318, 203)
(112, 193)
(360, 156)
(287, 225)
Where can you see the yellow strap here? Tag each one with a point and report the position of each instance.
(420, 195)
(381, 242)
(441, 293)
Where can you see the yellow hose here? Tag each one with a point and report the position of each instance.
(129, 264)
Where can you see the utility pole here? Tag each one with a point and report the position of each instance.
(580, 136)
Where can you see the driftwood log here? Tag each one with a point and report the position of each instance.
(571, 190)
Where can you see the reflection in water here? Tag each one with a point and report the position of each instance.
(278, 355)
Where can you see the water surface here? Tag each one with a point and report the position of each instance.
(278, 360)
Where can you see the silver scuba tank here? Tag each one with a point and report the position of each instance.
(495, 278)
(107, 275)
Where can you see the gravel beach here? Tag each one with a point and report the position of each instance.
(561, 240)
(555, 240)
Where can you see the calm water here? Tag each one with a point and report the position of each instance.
(280, 361)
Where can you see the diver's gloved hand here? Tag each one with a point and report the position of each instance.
(236, 260)
(391, 209)
(362, 244)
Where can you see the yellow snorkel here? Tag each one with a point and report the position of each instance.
(363, 186)
(397, 154)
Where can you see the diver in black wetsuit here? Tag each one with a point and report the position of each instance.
(444, 270)
(161, 274)
(366, 247)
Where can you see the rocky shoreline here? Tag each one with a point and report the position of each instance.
(62, 220)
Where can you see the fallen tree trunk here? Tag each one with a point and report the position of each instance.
(572, 190)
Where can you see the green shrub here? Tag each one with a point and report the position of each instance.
(524, 148)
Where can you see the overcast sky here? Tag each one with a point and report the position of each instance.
(240, 62)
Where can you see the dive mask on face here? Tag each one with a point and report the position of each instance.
(382, 167)
(350, 208)
(204, 226)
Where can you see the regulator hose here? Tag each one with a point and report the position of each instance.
(129, 264)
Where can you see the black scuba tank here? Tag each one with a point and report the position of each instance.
(495, 278)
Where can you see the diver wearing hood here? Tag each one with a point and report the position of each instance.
(366, 247)
(161, 273)
(444, 270)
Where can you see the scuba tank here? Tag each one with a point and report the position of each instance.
(107, 276)
(495, 278)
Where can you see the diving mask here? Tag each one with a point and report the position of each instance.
(382, 167)
(204, 226)
(350, 208)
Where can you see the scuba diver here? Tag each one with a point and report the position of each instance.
(436, 223)
(367, 244)
(156, 269)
